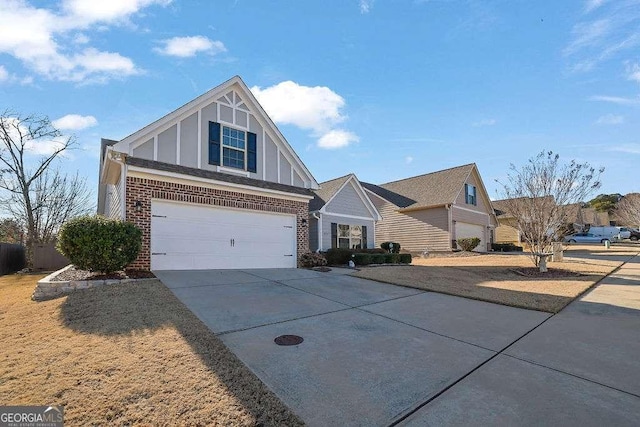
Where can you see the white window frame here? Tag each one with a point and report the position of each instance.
(223, 146)
(350, 238)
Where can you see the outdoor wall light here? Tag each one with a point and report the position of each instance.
(303, 221)
(138, 205)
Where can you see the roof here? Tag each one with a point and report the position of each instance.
(501, 207)
(326, 191)
(423, 191)
(217, 176)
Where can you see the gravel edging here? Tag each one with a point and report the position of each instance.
(49, 288)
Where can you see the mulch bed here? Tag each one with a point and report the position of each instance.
(552, 273)
(75, 274)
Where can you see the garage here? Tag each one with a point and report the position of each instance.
(196, 237)
(466, 230)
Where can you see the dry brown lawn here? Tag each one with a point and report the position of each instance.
(124, 355)
(492, 277)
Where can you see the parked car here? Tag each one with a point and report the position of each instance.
(608, 232)
(633, 233)
(585, 238)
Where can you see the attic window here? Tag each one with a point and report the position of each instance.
(233, 147)
(471, 197)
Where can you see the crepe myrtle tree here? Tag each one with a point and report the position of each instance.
(32, 191)
(537, 194)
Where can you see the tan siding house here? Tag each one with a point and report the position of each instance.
(430, 212)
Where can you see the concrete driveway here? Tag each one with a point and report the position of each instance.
(377, 354)
(372, 353)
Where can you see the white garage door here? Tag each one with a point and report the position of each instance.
(192, 237)
(466, 230)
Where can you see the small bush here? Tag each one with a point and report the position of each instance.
(405, 259)
(338, 256)
(372, 251)
(505, 247)
(468, 244)
(377, 258)
(387, 247)
(312, 259)
(362, 258)
(99, 244)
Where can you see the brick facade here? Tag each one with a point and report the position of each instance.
(144, 190)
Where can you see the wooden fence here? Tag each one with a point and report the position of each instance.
(12, 258)
(47, 258)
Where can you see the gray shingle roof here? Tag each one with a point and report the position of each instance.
(431, 189)
(326, 192)
(218, 176)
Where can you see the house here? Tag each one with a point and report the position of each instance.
(212, 185)
(342, 216)
(507, 230)
(582, 215)
(429, 212)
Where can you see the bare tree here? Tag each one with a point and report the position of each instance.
(538, 194)
(28, 147)
(628, 210)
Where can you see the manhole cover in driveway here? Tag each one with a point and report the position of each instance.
(288, 340)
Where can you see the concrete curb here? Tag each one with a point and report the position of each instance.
(47, 288)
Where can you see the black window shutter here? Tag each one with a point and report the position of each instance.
(466, 193)
(252, 152)
(334, 235)
(364, 237)
(214, 143)
(475, 196)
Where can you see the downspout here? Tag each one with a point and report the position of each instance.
(315, 215)
(450, 215)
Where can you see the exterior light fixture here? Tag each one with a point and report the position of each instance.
(138, 205)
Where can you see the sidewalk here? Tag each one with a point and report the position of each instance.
(580, 367)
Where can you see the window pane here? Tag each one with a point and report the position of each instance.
(356, 232)
(225, 131)
(343, 243)
(343, 231)
(232, 158)
(356, 244)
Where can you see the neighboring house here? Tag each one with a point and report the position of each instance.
(507, 229)
(582, 215)
(213, 184)
(429, 212)
(342, 216)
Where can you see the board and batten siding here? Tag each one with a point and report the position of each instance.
(327, 219)
(417, 231)
(348, 202)
(177, 143)
(313, 234)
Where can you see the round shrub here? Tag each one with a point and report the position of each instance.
(391, 247)
(312, 259)
(468, 244)
(97, 243)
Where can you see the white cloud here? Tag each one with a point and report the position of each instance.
(337, 138)
(46, 147)
(184, 47)
(633, 72)
(617, 100)
(485, 122)
(74, 122)
(609, 30)
(365, 6)
(35, 36)
(4, 74)
(408, 160)
(627, 148)
(317, 109)
(610, 119)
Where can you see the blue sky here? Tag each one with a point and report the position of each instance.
(384, 89)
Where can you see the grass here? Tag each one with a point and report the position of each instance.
(492, 277)
(124, 355)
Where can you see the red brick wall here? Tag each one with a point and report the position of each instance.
(143, 190)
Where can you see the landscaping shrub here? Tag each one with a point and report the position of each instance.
(505, 247)
(338, 256)
(372, 251)
(387, 245)
(378, 258)
(312, 259)
(468, 244)
(97, 243)
(362, 258)
(405, 259)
